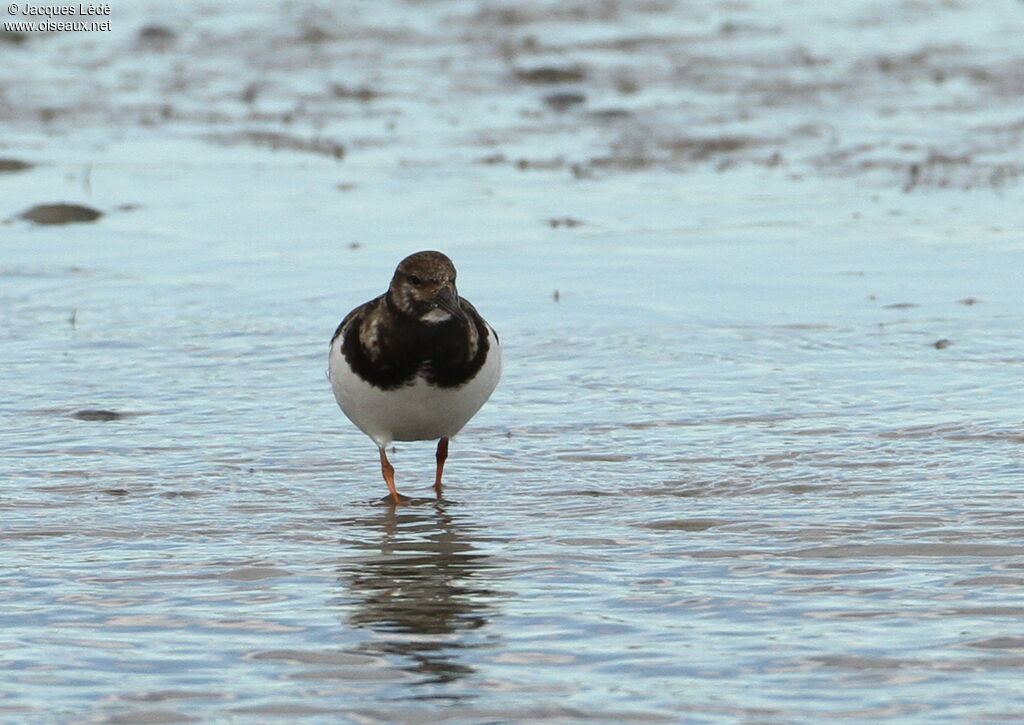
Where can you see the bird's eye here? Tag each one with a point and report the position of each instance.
(415, 280)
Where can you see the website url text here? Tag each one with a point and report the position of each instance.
(55, 25)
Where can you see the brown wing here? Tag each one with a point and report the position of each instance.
(355, 317)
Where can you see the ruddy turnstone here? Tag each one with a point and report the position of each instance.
(415, 363)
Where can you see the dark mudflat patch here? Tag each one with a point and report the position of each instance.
(551, 74)
(60, 214)
(155, 37)
(943, 171)
(97, 414)
(563, 100)
(12, 165)
(282, 142)
(360, 93)
(551, 164)
(13, 37)
(568, 221)
(637, 151)
(699, 149)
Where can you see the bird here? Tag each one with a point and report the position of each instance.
(415, 363)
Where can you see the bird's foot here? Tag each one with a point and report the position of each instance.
(397, 500)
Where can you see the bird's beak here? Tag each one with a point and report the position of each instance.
(448, 300)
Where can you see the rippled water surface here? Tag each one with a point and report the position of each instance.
(757, 455)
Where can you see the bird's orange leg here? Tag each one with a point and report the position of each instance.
(442, 455)
(388, 470)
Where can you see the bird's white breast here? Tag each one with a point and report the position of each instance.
(417, 411)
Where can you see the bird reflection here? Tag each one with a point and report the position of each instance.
(419, 590)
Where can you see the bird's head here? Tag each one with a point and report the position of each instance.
(424, 287)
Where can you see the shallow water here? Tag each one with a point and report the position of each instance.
(757, 456)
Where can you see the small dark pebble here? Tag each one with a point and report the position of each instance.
(13, 37)
(969, 301)
(249, 93)
(564, 222)
(702, 149)
(563, 100)
(942, 344)
(540, 164)
(180, 494)
(556, 296)
(156, 36)
(551, 74)
(362, 93)
(626, 85)
(97, 415)
(10, 165)
(579, 171)
(610, 114)
(314, 35)
(899, 306)
(116, 491)
(60, 214)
